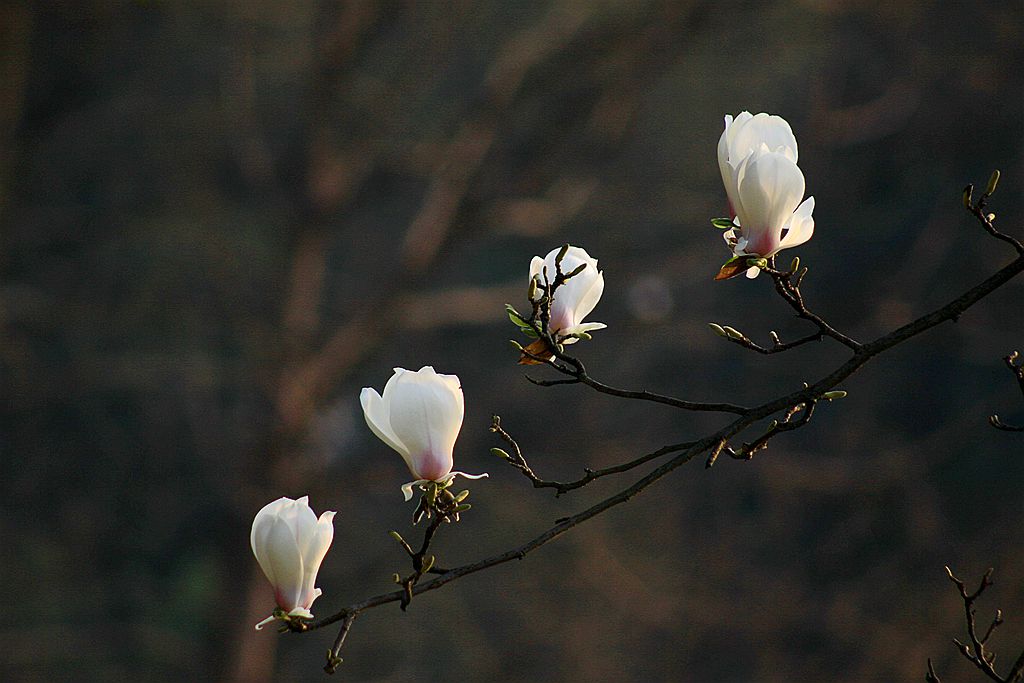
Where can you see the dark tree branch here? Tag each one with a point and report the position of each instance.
(787, 284)
(778, 346)
(976, 651)
(1017, 368)
(516, 460)
(802, 400)
(987, 220)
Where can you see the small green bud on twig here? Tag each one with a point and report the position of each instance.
(732, 332)
(575, 271)
(397, 536)
(794, 264)
(832, 395)
(516, 345)
(758, 262)
(993, 183)
(396, 578)
(561, 254)
(461, 495)
(532, 291)
(428, 563)
(718, 329)
(991, 217)
(500, 453)
(463, 507)
(968, 196)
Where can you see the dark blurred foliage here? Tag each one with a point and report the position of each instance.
(220, 220)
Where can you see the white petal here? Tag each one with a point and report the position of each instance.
(537, 267)
(261, 525)
(469, 476)
(752, 273)
(314, 555)
(407, 487)
(426, 412)
(801, 225)
(770, 190)
(577, 329)
(763, 129)
(259, 626)
(378, 420)
(566, 307)
(588, 302)
(285, 563)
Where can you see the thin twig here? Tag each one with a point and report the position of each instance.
(778, 346)
(517, 461)
(1018, 371)
(791, 403)
(949, 311)
(787, 284)
(976, 652)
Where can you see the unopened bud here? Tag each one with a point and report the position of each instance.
(795, 264)
(532, 291)
(718, 329)
(396, 578)
(461, 495)
(968, 196)
(428, 563)
(991, 217)
(993, 183)
(500, 453)
(397, 536)
(575, 271)
(463, 507)
(732, 332)
(516, 345)
(832, 395)
(561, 254)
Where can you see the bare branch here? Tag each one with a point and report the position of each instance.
(976, 652)
(1017, 368)
(787, 284)
(517, 461)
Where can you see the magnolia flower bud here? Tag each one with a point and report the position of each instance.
(757, 158)
(419, 416)
(289, 543)
(577, 296)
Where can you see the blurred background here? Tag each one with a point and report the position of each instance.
(220, 220)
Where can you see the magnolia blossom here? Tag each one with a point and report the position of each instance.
(576, 297)
(757, 157)
(290, 542)
(419, 415)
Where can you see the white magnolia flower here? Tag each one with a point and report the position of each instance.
(575, 298)
(757, 156)
(419, 415)
(290, 542)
